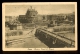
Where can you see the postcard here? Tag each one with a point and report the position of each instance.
(39, 26)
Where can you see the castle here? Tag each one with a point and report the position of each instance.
(29, 17)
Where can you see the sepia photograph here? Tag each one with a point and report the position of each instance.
(39, 26)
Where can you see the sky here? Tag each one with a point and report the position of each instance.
(16, 10)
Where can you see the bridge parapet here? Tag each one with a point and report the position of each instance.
(54, 38)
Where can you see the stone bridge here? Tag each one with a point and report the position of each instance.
(53, 40)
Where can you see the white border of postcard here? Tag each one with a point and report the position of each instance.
(37, 49)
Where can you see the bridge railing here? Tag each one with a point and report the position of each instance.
(47, 35)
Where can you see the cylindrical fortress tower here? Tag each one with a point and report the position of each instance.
(29, 17)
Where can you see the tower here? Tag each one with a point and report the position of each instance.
(31, 14)
(29, 17)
